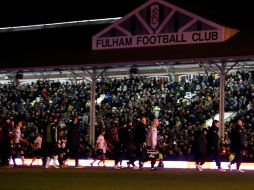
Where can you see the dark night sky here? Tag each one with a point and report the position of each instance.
(73, 45)
(14, 13)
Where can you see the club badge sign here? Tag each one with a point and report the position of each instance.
(154, 18)
(159, 23)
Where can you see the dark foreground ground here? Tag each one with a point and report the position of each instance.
(125, 179)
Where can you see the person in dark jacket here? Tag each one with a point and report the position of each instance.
(213, 143)
(73, 141)
(129, 144)
(237, 144)
(119, 148)
(5, 141)
(200, 148)
(140, 140)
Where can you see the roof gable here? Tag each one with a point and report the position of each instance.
(157, 23)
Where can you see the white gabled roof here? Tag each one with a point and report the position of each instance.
(186, 19)
(157, 18)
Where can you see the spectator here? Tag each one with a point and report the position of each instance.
(73, 141)
(6, 146)
(213, 143)
(201, 148)
(100, 147)
(237, 144)
(151, 142)
(140, 140)
(49, 142)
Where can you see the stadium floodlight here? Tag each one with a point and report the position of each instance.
(59, 25)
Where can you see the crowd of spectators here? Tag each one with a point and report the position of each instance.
(129, 98)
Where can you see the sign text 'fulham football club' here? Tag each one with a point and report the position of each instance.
(158, 23)
(158, 40)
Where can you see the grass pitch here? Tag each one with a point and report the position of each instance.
(125, 179)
